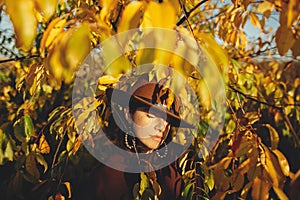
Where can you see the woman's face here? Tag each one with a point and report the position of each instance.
(150, 128)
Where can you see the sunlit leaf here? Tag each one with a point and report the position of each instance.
(254, 20)
(246, 189)
(273, 168)
(260, 189)
(69, 52)
(214, 50)
(23, 18)
(155, 15)
(68, 186)
(8, 152)
(188, 191)
(107, 7)
(131, 16)
(28, 125)
(46, 8)
(144, 184)
(55, 27)
(290, 12)
(283, 162)
(41, 160)
(265, 6)
(274, 136)
(44, 145)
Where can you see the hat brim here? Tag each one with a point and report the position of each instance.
(122, 98)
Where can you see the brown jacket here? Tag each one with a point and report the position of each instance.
(106, 183)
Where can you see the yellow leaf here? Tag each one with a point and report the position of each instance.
(107, 7)
(53, 30)
(280, 194)
(290, 12)
(273, 168)
(284, 164)
(41, 160)
(284, 39)
(43, 145)
(76, 48)
(260, 189)
(115, 61)
(46, 8)
(265, 6)
(108, 79)
(68, 186)
(274, 136)
(131, 16)
(254, 20)
(161, 15)
(53, 60)
(22, 15)
(214, 50)
(245, 190)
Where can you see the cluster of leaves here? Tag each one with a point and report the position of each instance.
(40, 149)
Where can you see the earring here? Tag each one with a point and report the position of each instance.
(127, 143)
(166, 152)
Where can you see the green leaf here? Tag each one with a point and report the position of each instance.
(188, 191)
(41, 160)
(9, 153)
(28, 125)
(144, 184)
(210, 181)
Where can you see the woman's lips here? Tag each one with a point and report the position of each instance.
(156, 137)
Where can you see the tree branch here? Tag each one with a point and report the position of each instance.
(261, 102)
(187, 14)
(19, 58)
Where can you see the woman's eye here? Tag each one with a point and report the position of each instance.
(150, 116)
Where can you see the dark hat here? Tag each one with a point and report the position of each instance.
(153, 95)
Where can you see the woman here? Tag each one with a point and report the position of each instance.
(141, 122)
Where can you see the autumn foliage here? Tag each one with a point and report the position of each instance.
(257, 152)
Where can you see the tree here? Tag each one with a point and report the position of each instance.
(255, 155)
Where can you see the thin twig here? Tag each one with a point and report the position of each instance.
(261, 102)
(187, 14)
(19, 58)
(291, 128)
(57, 151)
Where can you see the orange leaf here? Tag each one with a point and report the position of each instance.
(43, 145)
(260, 189)
(284, 39)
